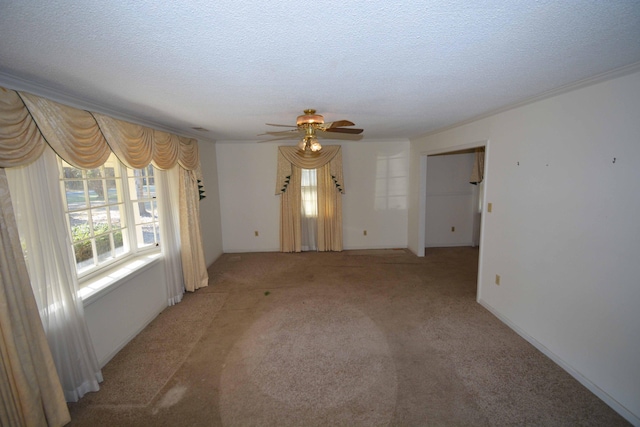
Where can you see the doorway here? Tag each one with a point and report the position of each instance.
(423, 197)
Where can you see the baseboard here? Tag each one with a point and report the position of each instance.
(448, 245)
(602, 395)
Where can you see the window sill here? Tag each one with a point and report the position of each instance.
(101, 285)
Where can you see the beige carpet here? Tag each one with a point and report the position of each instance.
(353, 338)
(142, 368)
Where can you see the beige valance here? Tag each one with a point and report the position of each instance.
(131, 143)
(189, 156)
(288, 156)
(73, 134)
(20, 139)
(82, 138)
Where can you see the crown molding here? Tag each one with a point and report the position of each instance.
(19, 84)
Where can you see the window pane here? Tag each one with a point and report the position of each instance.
(95, 173)
(74, 192)
(112, 191)
(103, 247)
(84, 255)
(137, 187)
(118, 242)
(143, 212)
(145, 235)
(96, 192)
(79, 226)
(100, 221)
(157, 233)
(116, 216)
(151, 186)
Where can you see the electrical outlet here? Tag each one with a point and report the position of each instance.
(489, 207)
(256, 233)
(498, 279)
(364, 232)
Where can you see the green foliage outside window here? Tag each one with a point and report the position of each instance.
(81, 233)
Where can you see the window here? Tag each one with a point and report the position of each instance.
(309, 209)
(109, 218)
(142, 193)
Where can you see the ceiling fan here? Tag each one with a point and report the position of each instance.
(307, 125)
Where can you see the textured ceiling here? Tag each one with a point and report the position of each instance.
(398, 69)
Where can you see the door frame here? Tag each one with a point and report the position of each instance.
(422, 207)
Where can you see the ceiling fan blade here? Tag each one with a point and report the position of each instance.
(338, 124)
(344, 130)
(276, 139)
(291, 138)
(281, 132)
(282, 126)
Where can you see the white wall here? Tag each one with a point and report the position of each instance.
(210, 206)
(450, 201)
(564, 235)
(118, 316)
(376, 185)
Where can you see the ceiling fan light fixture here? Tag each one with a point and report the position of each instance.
(310, 143)
(315, 145)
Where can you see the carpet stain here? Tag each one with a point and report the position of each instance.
(172, 397)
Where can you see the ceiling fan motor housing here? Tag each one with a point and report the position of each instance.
(310, 117)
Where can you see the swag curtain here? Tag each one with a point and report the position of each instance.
(328, 164)
(83, 139)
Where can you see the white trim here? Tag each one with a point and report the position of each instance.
(450, 245)
(483, 218)
(604, 396)
(422, 206)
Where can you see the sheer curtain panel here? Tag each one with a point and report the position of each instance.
(309, 209)
(29, 386)
(36, 195)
